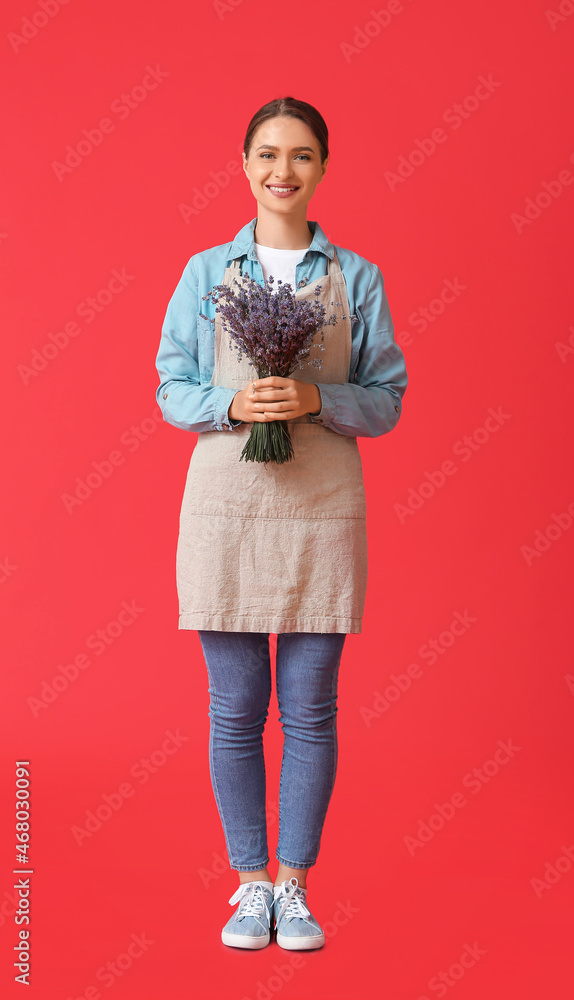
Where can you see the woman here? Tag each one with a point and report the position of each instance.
(277, 548)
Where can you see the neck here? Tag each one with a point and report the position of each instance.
(283, 232)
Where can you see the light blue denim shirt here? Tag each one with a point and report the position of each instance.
(368, 405)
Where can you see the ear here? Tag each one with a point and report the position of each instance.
(324, 169)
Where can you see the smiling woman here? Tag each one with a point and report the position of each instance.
(288, 160)
(277, 548)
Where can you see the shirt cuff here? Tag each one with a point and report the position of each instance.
(222, 419)
(326, 414)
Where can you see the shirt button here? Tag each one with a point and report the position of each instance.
(165, 395)
(396, 407)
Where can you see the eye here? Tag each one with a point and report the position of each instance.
(304, 155)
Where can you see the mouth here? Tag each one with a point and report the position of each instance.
(282, 190)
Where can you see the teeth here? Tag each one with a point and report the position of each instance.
(271, 188)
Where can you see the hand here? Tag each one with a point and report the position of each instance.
(275, 398)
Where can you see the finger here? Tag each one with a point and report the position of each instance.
(270, 404)
(272, 392)
(274, 381)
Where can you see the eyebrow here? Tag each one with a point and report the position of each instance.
(296, 149)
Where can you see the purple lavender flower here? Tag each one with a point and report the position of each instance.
(274, 330)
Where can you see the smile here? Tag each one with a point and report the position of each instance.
(281, 192)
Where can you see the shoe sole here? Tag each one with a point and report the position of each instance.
(245, 940)
(300, 943)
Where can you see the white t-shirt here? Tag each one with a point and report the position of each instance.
(279, 263)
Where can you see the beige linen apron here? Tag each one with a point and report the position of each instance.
(276, 548)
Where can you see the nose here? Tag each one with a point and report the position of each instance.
(282, 169)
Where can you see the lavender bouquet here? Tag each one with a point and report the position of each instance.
(274, 330)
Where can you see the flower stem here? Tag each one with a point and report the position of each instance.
(268, 442)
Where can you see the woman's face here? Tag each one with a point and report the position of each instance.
(275, 158)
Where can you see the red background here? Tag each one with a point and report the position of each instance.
(158, 864)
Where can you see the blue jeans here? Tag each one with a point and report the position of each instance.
(239, 670)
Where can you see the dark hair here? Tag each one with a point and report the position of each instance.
(289, 107)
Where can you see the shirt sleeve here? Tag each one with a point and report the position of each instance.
(372, 404)
(184, 401)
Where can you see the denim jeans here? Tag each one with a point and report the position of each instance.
(239, 671)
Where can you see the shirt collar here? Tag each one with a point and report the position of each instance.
(244, 242)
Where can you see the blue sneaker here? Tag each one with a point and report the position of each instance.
(295, 925)
(250, 925)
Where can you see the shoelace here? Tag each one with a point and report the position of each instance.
(253, 901)
(293, 902)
